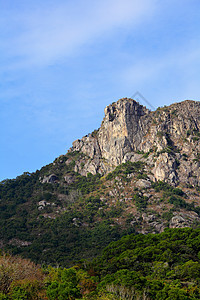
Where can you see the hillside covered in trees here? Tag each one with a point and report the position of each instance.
(164, 266)
(59, 223)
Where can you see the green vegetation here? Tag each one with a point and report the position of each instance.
(175, 196)
(73, 224)
(167, 188)
(162, 266)
(160, 134)
(140, 201)
(145, 155)
(194, 133)
(170, 148)
(61, 222)
(197, 159)
(94, 133)
(174, 112)
(126, 169)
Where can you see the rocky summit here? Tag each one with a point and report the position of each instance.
(138, 173)
(167, 140)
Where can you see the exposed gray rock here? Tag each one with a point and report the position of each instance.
(69, 179)
(129, 129)
(183, 219)
(148, 218)
(142, 183)
(42, 204)
(19, 243)
(49, 179)
(165, 168)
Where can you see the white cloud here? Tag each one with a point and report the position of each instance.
(52, 33)
(171, 76)
(180, 63)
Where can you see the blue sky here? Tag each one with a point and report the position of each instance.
(62, 62)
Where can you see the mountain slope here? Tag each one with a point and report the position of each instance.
(139, 172)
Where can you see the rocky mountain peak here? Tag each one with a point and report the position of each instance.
(126, 107)
(130, 132)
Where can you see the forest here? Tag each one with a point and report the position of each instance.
(163, 266)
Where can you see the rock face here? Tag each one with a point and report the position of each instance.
(166, 139)
(183, 219)
(123, 130)
(49, 179)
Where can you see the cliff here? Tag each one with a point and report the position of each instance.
(166, 139)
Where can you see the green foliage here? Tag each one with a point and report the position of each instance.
(63, 284)
(140, 201)
(175, 196)
(140, 152)
(127, 168)
(26, 289)
(115, 211)
(174, 112)
(155, 266)
(145, 155)
(78, 223)
(111, 117)
(168, 149)
(167, 215)
(168, 189)
(66, 237)
(135, 264)
(94, 133)
(162, 246)
(178, 202)
(160, 134)
(3, 296)
(84, 225)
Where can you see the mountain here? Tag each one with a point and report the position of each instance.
(138, 173)
(168, 136)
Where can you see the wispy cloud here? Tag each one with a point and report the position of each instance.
(174, 71)
(63, 61)
(47, 35)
